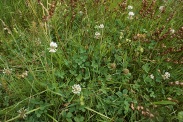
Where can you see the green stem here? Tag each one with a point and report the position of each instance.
(97, 113)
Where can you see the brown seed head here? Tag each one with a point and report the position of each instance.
(113, 65)
(126, 71)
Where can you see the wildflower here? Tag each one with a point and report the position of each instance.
(24, 74)
(172, 31)
(132, 106)
(130, 15)
(76, 89)
(22, 113)
(166, 75)
(130, 7)
(151, 115)
(53, 47)
(171, 83)
(143, 112)
(162, 8)
(126, 71)
(177, 82)
(101, 26)
(97, 35)
(7, 71)
(80, 12)
(128, 40)
(121, 35)
(113, 66)
(152, 76)
(181, 83)
(138, 108)
(140, 49)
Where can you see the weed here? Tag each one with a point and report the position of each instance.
(94, 60)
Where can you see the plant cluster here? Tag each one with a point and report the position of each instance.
(91, 60)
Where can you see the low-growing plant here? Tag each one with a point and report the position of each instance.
(77, 60)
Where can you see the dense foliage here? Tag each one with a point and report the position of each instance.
(91, 60)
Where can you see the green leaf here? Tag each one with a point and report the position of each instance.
(125, 91)
(69, 115)
(164, 102)
(146, 68)
(69, 120)
(119, 93)
(60, 74)
(79, 77)
(180, 116)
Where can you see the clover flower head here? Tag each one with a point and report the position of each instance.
(130, 15)
(7, 71)
(24, 74)
(53, 46)
(177, 82)
(97, 35)
(80, 12)
(76, 89)
(166, 75)
(172, 31)
(130, 7)
(22, 113)
(101, 26)
(128, 40)
(161, 8)
(152, 76)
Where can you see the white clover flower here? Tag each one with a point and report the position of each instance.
(177, 82)
(22, 113)
(80, 12)
(181, 83)
(24, 74)
(97, 35)
(166, 75)
(152, 76)
(130, 7)
(76, 89)
(130, 15)
(53, 47)
(121, 35)
(161, 8)
(101, 26)
(172, 31)
(7, 71)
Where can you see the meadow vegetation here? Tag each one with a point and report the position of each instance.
(91, 60)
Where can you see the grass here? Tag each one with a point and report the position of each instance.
(130, 71)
